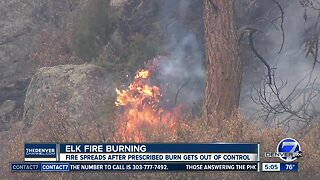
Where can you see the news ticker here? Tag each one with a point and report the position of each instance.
(105, 167)
(145, 157)
(82, 167)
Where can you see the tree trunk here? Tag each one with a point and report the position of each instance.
(223, 61)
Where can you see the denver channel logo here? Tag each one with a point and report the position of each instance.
(288, 150)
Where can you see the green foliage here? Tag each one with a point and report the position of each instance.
(110, 57)
(92, 29)
(140, 49)
(115, 42)
(126, 57)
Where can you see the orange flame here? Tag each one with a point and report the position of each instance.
(142, 111)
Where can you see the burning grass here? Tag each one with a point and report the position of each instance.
(141, 118)
(141, 113)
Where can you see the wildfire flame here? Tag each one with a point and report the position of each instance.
(141, 109)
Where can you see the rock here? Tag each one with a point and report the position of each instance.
(15, 91)
(21, 22)
(78, 94)
(6, 109)
(117, 3)
(20, 25)
(11, 102)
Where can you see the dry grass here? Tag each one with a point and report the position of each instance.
(54, 128)
(51, 50)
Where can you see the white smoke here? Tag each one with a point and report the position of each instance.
(291, 65)
(183, 66)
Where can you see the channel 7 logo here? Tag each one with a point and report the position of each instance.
(288, 150)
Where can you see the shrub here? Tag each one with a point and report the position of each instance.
(92, 29)
(140, 49)
(124, 58)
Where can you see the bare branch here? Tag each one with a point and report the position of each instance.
(281, 24)
(293, 106)
(259, 56)
(179, 90)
